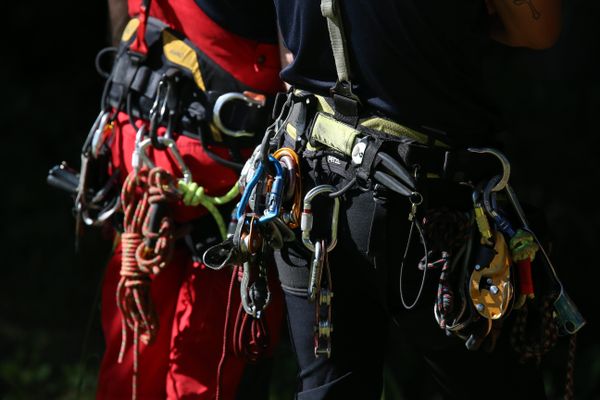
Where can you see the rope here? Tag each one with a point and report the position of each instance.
(526, 345)
(225, 334)
(141, 193)
(570, 378)
(445, 231)
(250, 336)
(194, 195)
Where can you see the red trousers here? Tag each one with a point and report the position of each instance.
(190, 302)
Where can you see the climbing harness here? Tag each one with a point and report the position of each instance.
(169, 88)
(483, 253)
(161, 77)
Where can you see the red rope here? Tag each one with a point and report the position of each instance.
(225, 334)
(250, 337)
(141, 191)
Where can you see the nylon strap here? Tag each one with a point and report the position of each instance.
(330, 9)
(140, 46)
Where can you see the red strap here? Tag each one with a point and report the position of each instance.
(139, 45)
(525, 279)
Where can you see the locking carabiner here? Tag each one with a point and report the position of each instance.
(274, 196)
(293, 191)
(306, 222)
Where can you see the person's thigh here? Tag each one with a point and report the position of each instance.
(354, 369)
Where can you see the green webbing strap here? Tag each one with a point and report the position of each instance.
(330, 9)
(194, 195)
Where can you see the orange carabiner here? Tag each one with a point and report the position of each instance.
(293, 192)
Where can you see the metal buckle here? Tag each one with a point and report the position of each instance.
(226, 98)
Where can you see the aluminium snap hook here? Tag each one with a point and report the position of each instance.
(503, 182)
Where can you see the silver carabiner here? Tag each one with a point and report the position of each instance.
(226, 98)
(503, 182)
(170, 145)
(306, 223)
(98, 130)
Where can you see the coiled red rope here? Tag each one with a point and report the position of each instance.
(141, 191)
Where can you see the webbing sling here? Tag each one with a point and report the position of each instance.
(330, 9)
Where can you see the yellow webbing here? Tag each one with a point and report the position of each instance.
(180, 53)
(130, 29)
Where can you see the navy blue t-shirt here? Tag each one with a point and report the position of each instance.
(416, 61)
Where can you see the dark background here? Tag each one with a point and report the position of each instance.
(50, 341)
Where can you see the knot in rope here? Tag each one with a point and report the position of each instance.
(194, 195)
(523, 246)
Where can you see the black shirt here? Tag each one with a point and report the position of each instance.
(417, 61)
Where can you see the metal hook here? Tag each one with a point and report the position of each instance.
(503, 182)
(226, 98)
(170, 145)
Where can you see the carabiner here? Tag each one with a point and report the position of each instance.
(489, 203)
(226, 98)
(503, 182)
(273, 197)
(157, 112)
(306, 222)
(170, 145)
(293, 192)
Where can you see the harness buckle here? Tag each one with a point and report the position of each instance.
(251, 100)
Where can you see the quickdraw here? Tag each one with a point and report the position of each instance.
(320, 284)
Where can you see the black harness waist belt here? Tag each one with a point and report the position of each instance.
(177, 86)
(311, 128)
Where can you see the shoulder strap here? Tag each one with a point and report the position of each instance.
(345, 102)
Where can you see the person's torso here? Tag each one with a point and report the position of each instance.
(239, 35)
(417, 61)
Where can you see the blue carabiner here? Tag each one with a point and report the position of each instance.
(248, 191)
(274, 196)
(491, 206)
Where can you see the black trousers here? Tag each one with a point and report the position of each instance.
(365, 274)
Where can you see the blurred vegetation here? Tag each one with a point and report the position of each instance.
(50, 339)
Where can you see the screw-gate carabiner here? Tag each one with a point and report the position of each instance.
(274, 196)
(293, 192)
(306, 223)
(226, 98)
(170, 145)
